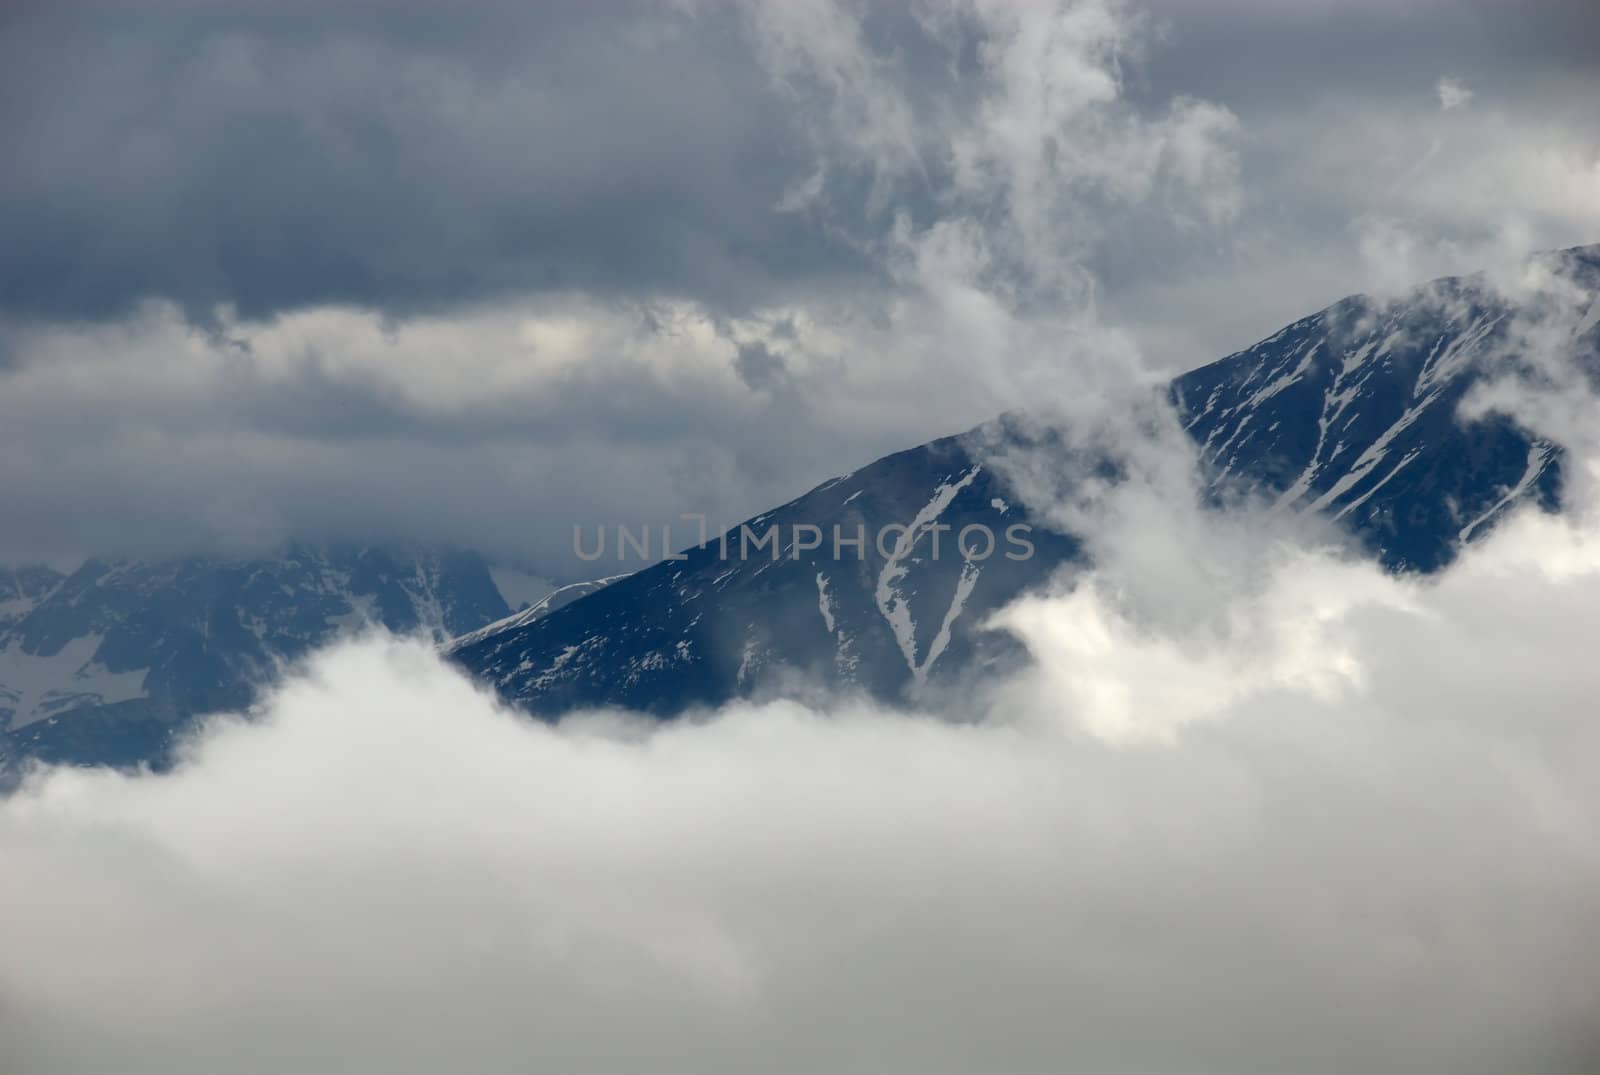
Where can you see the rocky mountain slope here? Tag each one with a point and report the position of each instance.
(1352, 412)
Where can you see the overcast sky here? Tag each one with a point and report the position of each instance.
(398, 272)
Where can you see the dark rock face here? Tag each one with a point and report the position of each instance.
(1351, 412)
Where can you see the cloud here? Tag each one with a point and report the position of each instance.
(759, 366)
(1356, 831)
(972, 193)
(998, 138)
(497, 428)
(1452, 93)
(272, 161)
(497, 270)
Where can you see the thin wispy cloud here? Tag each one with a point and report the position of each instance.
(1453, 93)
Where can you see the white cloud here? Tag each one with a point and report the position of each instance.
(1026, 145)
(1452, 93)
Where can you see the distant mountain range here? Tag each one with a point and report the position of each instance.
(1351, 412)
(105, 663)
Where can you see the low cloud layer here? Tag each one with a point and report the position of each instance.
(1354, 828)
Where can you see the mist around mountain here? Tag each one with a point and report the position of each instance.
(883, 580)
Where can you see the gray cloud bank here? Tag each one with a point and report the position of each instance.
(401, 159)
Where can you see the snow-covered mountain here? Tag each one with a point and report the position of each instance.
(102, 664)
(1355, 412)
(1352, 412)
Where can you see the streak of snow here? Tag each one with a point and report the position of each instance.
(941, 641)
(824, 601)
(1405, 461)
(1539, 456)
(893, 604)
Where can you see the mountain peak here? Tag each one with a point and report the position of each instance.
(1351, 413)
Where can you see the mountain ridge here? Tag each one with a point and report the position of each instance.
(1351, 412)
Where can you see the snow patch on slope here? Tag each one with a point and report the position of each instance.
(34, 687)
(893, 604)
(1539, 455)
(824, 601)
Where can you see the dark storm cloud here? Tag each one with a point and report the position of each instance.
(759, 366)
(395, 158)
(1254, 53)
(476, 273)
(411, 157)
